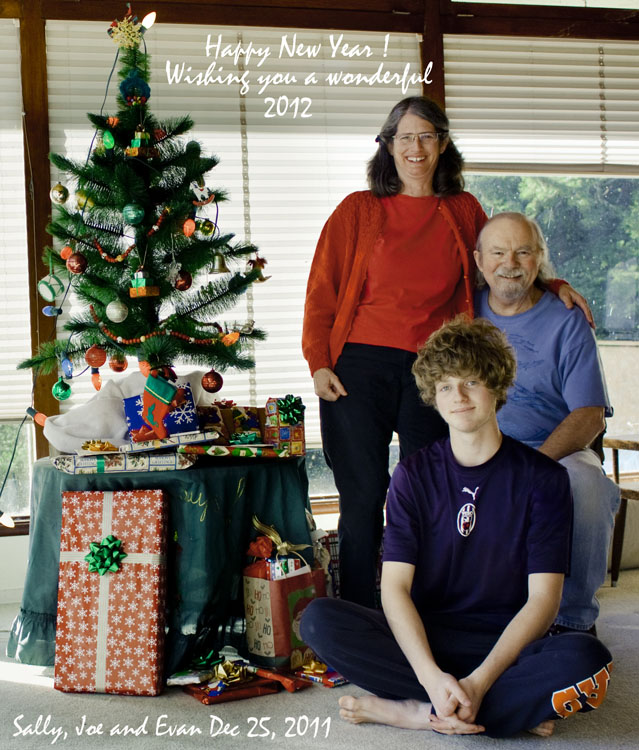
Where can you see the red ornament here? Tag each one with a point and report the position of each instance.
(188, 227)
(96, 356)
(117, 364)
(77, 263)
(66, 252)
(183, 281)
(212, 381)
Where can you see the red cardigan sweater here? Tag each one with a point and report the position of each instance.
(338, 271)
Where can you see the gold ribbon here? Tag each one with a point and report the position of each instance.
(229, 672)
(282, 547)
(313, 666)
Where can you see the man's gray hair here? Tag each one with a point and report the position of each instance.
(546, 268)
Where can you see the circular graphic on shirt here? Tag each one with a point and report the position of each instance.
(466, 519)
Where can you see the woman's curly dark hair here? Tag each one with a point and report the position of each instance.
(383, 179)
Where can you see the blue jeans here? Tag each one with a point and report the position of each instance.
(596, 500)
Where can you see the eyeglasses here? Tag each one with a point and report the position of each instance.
(426, 139)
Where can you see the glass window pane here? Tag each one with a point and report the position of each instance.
(15, 496)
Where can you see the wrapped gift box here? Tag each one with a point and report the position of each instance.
(285, 424)
(114, 463)
(237, 451)
(110, 626)
(181, 420)
(169, 442)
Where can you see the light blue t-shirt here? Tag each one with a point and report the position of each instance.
(558, 367)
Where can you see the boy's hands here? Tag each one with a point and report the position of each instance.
(455, 705)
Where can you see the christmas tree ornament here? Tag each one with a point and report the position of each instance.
(230, 338)
(219, 264)
(82, 200)
(248, 327)
(117, 311)
(212, 381)
(159, 134)
(61, 390)
(67, 367)
(203, 195)
(118, 363)
(207, 227)
(51, 311)
(133, 213)
(66, 252)
(135, 90)
(183, 281)
(108, 139)
(59, 194)
(142, 285)
(258, 264)
(95, 356)
(188, 227)
(144, 367)
(77, 263)
(49, 287)
(96, 378)
(126, 33)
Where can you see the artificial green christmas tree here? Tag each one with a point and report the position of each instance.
(137, 241)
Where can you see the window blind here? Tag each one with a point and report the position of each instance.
(285, 171)
(14, 293)
(559, 104)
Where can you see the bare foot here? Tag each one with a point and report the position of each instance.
(545, 729)
(406, 714)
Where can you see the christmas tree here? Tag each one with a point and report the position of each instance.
(139, 243)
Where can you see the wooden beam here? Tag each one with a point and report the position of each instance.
(356, 15)
(539, 21)
(432, 50)
(37, 178)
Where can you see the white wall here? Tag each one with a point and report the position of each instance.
(13, 567)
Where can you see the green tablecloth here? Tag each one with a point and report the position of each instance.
(210, 511)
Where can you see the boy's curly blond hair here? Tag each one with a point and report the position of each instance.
(463, 348)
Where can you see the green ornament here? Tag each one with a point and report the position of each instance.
(108, 139)
(133, 213)
(61, 390)
(105, 556)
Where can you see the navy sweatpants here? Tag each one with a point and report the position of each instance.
(356, 433)
(553, 678)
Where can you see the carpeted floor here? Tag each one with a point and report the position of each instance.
(35, 716)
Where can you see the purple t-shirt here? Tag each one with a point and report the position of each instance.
(475, 561)
(558, 367)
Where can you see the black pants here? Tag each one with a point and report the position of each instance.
(553, 678)
(356, 432)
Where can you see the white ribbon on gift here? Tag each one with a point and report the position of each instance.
(103, 594)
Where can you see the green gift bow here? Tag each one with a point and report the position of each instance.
(244, 438)
(291, 409)
(105, 556)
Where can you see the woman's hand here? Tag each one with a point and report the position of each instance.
(571, 297)
(327, 385)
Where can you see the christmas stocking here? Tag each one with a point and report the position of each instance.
(156, 400)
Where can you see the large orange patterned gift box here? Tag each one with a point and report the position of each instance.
(112, 591)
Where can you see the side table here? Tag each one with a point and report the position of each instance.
(629, 491)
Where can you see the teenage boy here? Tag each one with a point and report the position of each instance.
(476, 546)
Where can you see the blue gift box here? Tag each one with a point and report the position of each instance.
(180, 420)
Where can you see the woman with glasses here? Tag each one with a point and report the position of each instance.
(392, 264)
